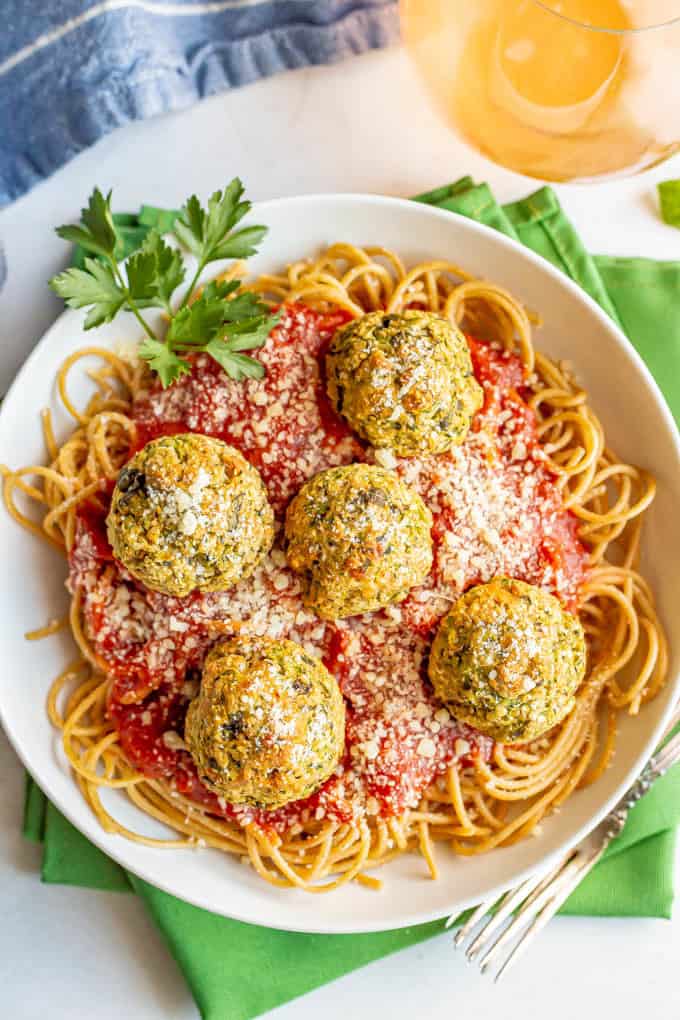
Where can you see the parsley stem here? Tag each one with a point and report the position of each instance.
(192, 285)
(135, 311)
(130, 300)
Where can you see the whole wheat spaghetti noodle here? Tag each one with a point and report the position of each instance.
(478, 802)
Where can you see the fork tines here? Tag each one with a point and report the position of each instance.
(533, 903)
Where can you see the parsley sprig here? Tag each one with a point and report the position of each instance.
(222, 322)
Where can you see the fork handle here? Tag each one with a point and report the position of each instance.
(657, 765)
(584, 860)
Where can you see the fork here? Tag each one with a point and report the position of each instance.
(504, 938)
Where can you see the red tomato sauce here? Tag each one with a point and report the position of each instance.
(399, 739)
(284, 425)
(557, 542)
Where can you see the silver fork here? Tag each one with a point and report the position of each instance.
(504, 938)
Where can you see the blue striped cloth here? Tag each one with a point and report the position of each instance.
(72, 70)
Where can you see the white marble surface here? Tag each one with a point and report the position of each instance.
(361, 126)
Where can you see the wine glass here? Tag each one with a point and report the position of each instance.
(562, 90)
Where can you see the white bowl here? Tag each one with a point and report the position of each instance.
(639, 427)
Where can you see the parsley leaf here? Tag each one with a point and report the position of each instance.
(141, 279)
(223, 322)
(93, 286)
(163, 361)
(240, 244)
(203, 320)
(170, 271)
(249, 333)
(189, 226)
(154, 273)
(195, 325)
(97, 232)
(244, 306)
(222, 326)
(209, 233)
(237, 366)
(220, 289)
(202, 231)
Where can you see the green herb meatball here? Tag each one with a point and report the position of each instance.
(404, 382)
(268, 725)
(359, 538)
(508, 660)
(188, 512)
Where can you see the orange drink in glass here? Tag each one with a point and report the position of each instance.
(556, 89)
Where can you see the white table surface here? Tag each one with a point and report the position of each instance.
(361, 126)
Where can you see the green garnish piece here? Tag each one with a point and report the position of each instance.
(93, 287)
(162, 219)
(163, 361)
(669, 198)
(222, 322)
(96, 232)
(223, 327)
(155, 272)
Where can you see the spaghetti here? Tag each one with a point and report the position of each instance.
(469, 794)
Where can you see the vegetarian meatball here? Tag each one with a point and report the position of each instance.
(508, 660)
(404, 381)
(189, 512)
(268, 725)
(359, 538)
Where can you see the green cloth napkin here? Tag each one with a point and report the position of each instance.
(238, 971)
